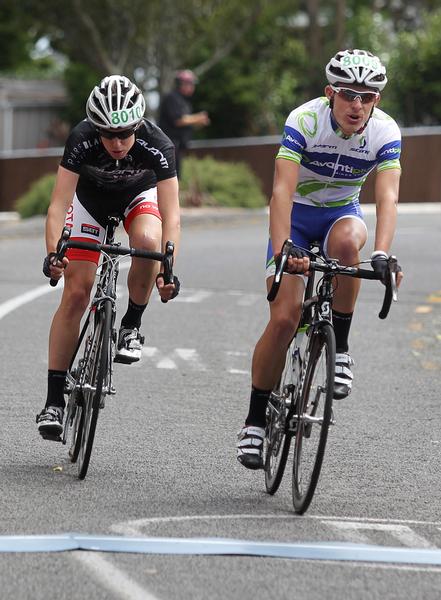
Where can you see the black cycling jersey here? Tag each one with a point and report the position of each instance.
(107, 185)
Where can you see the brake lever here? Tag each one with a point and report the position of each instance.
(168, 265)
(61, 248)
(284, 255)
(393, 268)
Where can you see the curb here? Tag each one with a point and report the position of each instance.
(11, 226)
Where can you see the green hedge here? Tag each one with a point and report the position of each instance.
(210, 182)
(205, 182)
(36, 200)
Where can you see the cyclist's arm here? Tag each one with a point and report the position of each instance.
(386, 199)
(286, 176)
(62, 195)
(168, 204)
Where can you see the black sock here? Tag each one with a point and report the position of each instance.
(257, 412)
(133, 315)
(342, 325)
(55, 388)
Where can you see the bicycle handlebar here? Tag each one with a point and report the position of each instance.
(332, 267)
(166, 258)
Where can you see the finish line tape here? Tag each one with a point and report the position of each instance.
(337, 551)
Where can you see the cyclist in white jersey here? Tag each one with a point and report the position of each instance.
(329, 147)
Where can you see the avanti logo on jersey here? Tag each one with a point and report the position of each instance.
(90, 229)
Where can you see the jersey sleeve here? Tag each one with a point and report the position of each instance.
(166, 163)
(388, 155)
(76, 150)
(293, 141)
(159, 152)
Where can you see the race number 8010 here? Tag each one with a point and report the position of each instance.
(125, 117)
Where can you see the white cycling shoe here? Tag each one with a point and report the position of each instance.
(250, 447)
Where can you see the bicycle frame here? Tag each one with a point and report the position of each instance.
(105, 292)
(90, 380)
(300, 407)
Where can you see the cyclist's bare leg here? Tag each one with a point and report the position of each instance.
(269, 354)
(145, 232)
(79, 277)
(346, 238)
(268, 361)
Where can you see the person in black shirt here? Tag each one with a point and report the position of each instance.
(115, 161)
(176, 117)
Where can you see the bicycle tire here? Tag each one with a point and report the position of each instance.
(98, 365)
(77, 428)
(315, 402)
(72, 423)
(277, 439)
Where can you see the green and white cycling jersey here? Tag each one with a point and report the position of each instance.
(333, 167)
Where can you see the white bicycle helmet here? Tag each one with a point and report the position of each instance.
(356, 66)
(116, 103)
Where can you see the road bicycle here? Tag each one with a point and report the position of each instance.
(300, 406)
(90, 374)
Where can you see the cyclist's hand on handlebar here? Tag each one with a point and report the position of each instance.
(298, 261)
(167, 291)
(379, 262)
(53, 268)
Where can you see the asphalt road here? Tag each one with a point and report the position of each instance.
(164, 461)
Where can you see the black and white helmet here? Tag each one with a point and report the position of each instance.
(116, 103)
(356, 66)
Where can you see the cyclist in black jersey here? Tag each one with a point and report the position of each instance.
(114, 162)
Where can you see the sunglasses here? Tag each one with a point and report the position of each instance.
(351, 95)
(121, 135)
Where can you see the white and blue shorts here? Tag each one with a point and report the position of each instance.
(312, 224)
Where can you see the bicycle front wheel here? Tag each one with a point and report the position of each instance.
(93, 390)
(313, 416)
(277, 437)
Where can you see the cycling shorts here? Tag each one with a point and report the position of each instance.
(85, 228)
(312, 224)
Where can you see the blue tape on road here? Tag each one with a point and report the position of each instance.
(338, 551)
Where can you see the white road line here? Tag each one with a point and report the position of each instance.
(351, 531)
(378, 566)
(116, 581)
(14, 303)
(149, 351)
(190, 355)
(134, 527)
(166, 363)
(196, 297)
(245, 299)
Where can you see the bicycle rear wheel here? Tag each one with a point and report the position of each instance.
(277, 438)
(93, 388)
(314, 414)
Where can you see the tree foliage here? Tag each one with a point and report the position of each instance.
(416, 65)
(256, 59)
